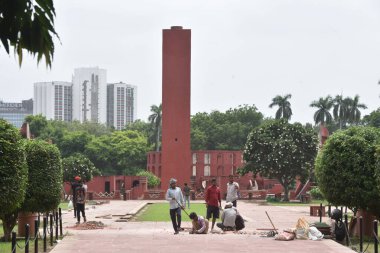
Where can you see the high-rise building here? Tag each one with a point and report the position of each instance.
(54, 100)
(15, 113)
(90, 95)
(121, 104)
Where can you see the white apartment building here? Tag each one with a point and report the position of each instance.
(53, 100)
(121, 104)
(90, 95)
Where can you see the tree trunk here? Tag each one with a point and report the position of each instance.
(286, 193)
(9, 222)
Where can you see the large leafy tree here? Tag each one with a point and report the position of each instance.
(78, 165)
(284, 110)
(29, 25)
(345, 169)
(324, 105)
(122, 152)
(38, 124)
(281, 150)
(13, 175)
(156, 120)
(224, 130)
(340, 110)
(74, 142)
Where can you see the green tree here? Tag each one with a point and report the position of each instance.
(373, 119)
(284, 110)
(345, 169)
(13, 175)
(29, 25)
(354, 107)
(122, 152)
(37, 124)
(78, 165)
(340, 110)
(74, 142)
(156, 120)
(324, 105)
(281, 150)
(153, 181)
(224, 130)
(45, 177)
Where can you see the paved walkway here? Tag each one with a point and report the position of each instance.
(158, 236)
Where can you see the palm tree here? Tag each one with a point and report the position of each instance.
(354, 113)
(284, 110)
(324, 105)
(340, 110)
(156, 120)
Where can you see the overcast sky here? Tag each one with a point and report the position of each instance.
(243, 52)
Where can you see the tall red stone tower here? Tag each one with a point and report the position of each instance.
(176, 61)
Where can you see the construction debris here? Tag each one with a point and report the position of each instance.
(90, 225)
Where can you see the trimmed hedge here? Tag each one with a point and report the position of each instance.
(345, 169)
(13, 169)
(45, 177)
(152, 179)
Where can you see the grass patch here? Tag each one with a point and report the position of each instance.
(160, 212)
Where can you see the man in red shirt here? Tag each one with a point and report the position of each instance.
(212, 201)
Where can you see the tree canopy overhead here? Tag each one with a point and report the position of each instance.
(28, 25)
(281, 150)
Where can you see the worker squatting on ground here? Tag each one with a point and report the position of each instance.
(228, 218)
(176, 201)
(199, 224)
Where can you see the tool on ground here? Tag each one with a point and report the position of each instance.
(274, 231)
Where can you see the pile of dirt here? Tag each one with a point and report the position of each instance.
(90, 225)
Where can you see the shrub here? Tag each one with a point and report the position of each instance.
(152, 179)
(316, 193)
(13, 169)
(45, 177)
(345, 169)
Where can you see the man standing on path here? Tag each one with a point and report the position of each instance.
(187, 190)
(212, 200)
(175, 198)
(232, 191)
(74, 186)
(80, 194)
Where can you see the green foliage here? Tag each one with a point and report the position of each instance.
(281, 150)
(226, 131)
(37, 124)
(152, 179)
(373, 119)
(284, 110)
(78, 165)
(345, 169)
(29, 25)
(323, 114)
(74, 142)
(155, 120)
(272, 199)
(45, 177)
(316, 193)
(122, 152)
(13, 169)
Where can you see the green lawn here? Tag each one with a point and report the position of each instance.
(160, 212)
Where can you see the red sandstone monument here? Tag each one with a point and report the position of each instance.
(176, 61)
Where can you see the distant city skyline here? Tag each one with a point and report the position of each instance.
(243, 52)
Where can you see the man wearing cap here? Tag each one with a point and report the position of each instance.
(175, 198)
(212, 198)
(228, 217)
(74, 186)
(232, 191)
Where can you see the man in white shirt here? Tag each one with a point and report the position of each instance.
(232, 191)
(228, 217)
(176, 201)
